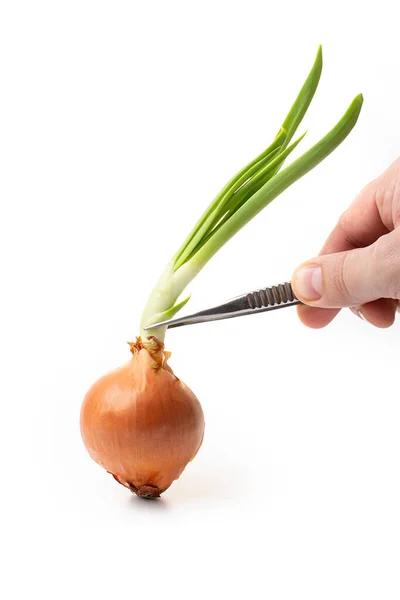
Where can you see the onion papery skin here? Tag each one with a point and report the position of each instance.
(141, 423)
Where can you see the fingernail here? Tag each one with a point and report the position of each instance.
(356, 310)
(308, 282)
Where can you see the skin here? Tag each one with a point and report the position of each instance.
(141, 423)
(359, 264)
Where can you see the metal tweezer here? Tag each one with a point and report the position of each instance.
(270, 298)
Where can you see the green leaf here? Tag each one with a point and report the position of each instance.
(280, 182)
(245, 192)
(216, 210)
(168, 314)
(303, 100)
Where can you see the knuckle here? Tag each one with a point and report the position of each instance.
(344, 225)
(340, 277)
(388, 198)
(343, 220)
(396, 200)
(386, 260)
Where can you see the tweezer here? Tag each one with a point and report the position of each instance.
(270, 298)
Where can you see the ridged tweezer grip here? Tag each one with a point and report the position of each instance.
(271, 296)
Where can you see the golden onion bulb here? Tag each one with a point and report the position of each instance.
(141, 423)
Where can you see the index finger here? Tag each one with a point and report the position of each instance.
(360, 225)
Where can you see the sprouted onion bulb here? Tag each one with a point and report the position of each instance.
(140, 422)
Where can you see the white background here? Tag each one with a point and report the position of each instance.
(119, 122)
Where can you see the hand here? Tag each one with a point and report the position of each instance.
(359, 264)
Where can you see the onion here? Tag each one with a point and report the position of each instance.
(141, 423)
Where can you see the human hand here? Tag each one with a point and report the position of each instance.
(359, 264)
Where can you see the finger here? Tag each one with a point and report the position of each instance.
(370, 215)
(351, 278)
(380, 313)
(316, 318)
(359, 226)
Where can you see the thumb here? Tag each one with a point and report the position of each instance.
(351, 278)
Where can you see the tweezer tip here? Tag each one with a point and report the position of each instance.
(155, 325)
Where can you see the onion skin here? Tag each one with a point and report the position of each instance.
(141, 423)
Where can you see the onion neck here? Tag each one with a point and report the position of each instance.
(161, 302)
